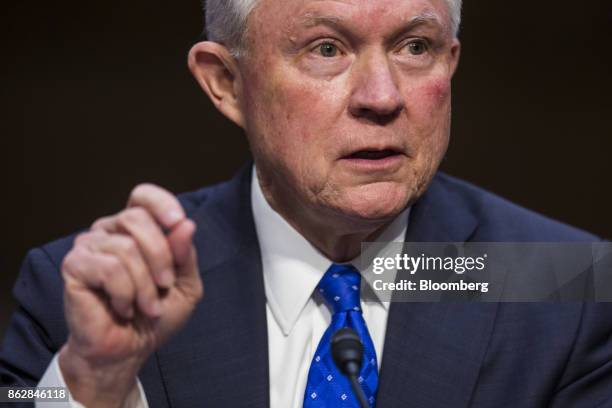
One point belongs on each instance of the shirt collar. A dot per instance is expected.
(292, 267)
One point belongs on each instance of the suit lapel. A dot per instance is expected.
(221, 357)
(433, 351)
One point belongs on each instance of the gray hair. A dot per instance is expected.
(226, 20)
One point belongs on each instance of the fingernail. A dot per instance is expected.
(172, 217)
(166, 278)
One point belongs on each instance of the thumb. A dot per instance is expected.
(180, 240)
(185, 259)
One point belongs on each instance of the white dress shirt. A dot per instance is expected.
(297, 315)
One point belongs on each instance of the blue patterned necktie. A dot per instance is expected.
(327, 387)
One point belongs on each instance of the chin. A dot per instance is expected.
(377, 202)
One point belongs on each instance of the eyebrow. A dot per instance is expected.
(426, 18)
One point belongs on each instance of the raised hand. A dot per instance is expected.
(131, 282)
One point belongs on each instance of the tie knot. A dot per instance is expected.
(340, 288)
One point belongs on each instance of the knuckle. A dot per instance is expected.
(129, 216)
(111, 269)
(99, 223)
(142, 190)
(82, 238)
(138, 213)
(72, 264)
(117, 283)
(127, 245)
(69, 263)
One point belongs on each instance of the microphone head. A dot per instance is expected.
(347, 351)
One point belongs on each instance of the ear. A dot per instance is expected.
(455, 53)
(216, 70)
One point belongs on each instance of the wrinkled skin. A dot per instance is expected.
(323, 79)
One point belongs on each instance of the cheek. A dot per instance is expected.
(298, 115)
(433, 97)
(305, 108)
(440, 91)
(285, 122)
(429, 108)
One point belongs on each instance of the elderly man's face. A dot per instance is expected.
(347, 102)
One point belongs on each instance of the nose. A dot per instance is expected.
(375, 97)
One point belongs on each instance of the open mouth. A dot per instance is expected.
(373, 154)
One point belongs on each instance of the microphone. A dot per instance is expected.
(347, 353)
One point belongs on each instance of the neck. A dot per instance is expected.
(337, 236)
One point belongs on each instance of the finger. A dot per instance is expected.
(139, 224)
(161, 204)
(181, 241)
(101, 272)
(85, 238)
(188, 274)
(108, 224)
(128, 252)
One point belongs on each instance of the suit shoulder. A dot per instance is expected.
(502, 220)
(192, 200)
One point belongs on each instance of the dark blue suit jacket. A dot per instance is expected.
(436, 355)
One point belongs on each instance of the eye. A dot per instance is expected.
(328, 50)
(417, 47)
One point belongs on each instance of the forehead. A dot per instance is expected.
(369, 16)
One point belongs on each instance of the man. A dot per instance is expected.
(346, 105)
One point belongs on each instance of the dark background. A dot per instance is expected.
(96, 98)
